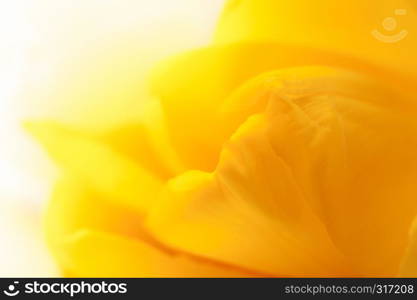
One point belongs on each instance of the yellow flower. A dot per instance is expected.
(287, 148)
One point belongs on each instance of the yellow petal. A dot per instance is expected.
(333, 129)
(96, 164)
(75, 206)
(146, 142)
(408, 267)
(90, 235)
(344, 138)
(346, 147)
(194, 86)
(345, 27)
(95, 254)
(249, 213)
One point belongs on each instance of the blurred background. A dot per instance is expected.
(48, 51)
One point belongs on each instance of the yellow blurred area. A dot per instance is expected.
(271, 140)
(46, 48)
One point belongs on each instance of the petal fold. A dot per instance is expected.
(99, 166)
(194, 86)
(96, 254)
(343, 139)
(249, 212)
